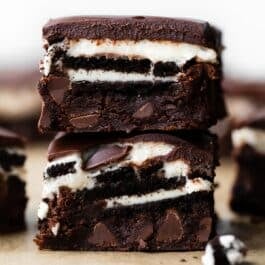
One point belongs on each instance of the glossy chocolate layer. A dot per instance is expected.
(133, 28)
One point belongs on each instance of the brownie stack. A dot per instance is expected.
(134, 166)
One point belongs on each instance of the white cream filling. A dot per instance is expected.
(113, 76)
(250, 136)
(45, 65)
(43, 210)
(155, 51)
(175, 168)
(192, 185)
(141, 151)
(55, 229)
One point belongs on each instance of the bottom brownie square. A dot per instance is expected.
(150, 192)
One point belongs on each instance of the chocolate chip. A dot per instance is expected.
(106, 154)
(102, 236)
(170, 228)
(57, 86)
(205, 228)
(145, 111)
(86, 121)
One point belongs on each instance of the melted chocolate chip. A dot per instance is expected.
(170, 228)
(106, 154)
(102, 236)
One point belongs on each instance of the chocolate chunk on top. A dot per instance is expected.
(132, 28)
(106, 154)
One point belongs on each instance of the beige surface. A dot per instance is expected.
(19, 248)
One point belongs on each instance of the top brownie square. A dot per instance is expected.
(130, 73)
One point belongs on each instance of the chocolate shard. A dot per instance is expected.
(106, 154)
(170, 228)
(144, 112)
(85, 121)
(102, 236)
(205, 228)
(57, 86)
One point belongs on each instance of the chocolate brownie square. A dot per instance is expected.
(142, 192)
(103, 74)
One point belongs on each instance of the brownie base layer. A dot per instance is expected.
(12, 205)
(248, 194)
(185, 223)
(194, 102)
